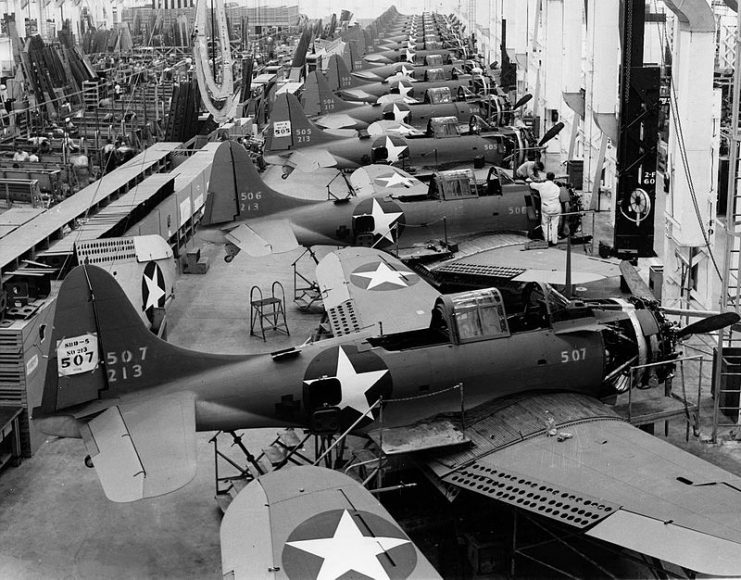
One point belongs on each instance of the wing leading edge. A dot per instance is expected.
(570, 458)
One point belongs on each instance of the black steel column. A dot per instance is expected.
(637, 141)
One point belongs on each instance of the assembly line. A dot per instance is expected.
(363, 317)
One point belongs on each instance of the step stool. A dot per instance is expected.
(271, 310)
(194, 264)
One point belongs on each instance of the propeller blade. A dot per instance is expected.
(709, 324)
(521, 101)
(635, 283)
(551, 133)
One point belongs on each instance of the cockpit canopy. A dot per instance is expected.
(438, 95)
(453, 184)
(474, 315)
(440, 127)
(434, 60)
(435, 74)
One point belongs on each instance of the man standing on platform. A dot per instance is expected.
(550, 207)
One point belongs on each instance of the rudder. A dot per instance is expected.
(101, 348)
(237, 192)
(291, 128)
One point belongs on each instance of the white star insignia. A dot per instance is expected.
(410, 55)
(382, 222)
(155, 291)
(394, 151)
(400, 115)
(395, 179)
(405, 71)
(404, 90)
(385, 275)
(349, 551)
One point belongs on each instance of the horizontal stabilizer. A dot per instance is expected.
(264, 237)
(358, 95)
(311, 160)
(336, 121)
(367, 75)
(146, 450)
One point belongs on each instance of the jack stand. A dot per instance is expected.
(305, 291)
(228, 486)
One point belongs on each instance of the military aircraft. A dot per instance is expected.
(336, 113)
(294, 141)
(456, 80)
(401, 211)
(506, 403)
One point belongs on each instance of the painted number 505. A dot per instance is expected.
(573, 355)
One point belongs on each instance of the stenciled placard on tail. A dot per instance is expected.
(77, 354)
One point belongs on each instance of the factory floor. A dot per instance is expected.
(55, 521)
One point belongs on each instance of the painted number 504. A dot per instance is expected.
(573, 355)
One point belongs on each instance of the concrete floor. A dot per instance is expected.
(55, 521)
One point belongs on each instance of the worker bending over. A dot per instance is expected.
(531, 170)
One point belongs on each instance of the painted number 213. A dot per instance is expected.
(573, 355)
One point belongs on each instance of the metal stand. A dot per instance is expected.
(305, 291)
(271, 310)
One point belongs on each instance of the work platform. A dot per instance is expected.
(25, 242)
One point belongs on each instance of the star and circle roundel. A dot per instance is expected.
(154, 289)
(362, 375)
(382, 218)
(382, 276)
(346, 543)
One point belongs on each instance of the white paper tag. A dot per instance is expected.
(281, 129)
(78, 354)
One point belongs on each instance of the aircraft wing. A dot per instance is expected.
(264, 237)
(377, 178)
(363, 287)
(570, 458)
(311, 522)
(144, 450)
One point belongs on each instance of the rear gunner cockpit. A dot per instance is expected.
(457, 318)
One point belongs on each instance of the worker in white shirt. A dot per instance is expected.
(550, 207)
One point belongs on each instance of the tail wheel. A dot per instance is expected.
(89, 462)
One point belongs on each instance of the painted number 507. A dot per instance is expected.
(573, 355)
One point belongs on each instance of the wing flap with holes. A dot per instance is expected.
(570, 458)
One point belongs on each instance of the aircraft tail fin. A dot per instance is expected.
(338, 75)
(291, 128)
(320, 98)
(101, 349)
(299, 56)
(237, 192)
